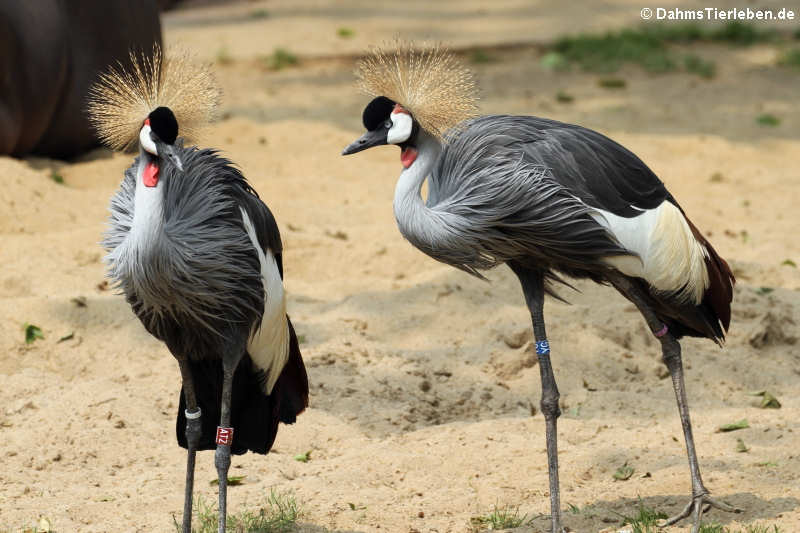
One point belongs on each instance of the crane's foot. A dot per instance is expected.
(700, 504)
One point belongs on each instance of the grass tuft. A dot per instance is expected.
(345, 33)
(645, 520)
(768, 119)
(280, 59)
(480, 56)
(790, 58)
(697, 65)
(224, 57)
(647, 47)
(278, 514)
(506, 517)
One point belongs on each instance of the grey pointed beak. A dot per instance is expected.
(372, 138)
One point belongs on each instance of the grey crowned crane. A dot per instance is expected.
(198, 257)
(547, 199)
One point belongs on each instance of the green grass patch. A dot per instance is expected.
(718, 528)
(648, 47)
(645, 520)
(277, 514)
(480, 56)
(790, 58)
(697, 65)
(564, 97)
(506, 517)
(32, 333)
(58, 178)
(223, 56)
(768, 119)
(259, 14)
(608, 52)
(612, 83)
(345, 33)
(280, 59)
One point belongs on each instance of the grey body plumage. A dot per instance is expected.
(503, 203)
(195, 262)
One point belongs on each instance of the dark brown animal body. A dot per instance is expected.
(51, 51)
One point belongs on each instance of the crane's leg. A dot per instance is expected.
(193, 432)
(671, 352)
(533, 288)
(222, 456)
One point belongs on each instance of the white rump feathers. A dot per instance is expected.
(670, 258)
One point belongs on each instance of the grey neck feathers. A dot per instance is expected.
(417, 222)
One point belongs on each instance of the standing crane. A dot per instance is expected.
(198, 257)
(547, 199)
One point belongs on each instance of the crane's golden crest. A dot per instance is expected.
(122, 98)
(430, 82)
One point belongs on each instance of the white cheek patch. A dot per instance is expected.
(401, 128)
(146, 141)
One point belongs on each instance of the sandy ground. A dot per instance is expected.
(423, 378)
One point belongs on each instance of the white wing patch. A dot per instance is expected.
(670, 258)
(269, 342)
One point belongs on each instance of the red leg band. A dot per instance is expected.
(224, 436)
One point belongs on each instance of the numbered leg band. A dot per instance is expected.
(224, 436)
(543, 347)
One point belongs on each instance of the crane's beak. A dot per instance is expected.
(376, 137)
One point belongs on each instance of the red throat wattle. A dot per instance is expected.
(150, 174)
(408, 156)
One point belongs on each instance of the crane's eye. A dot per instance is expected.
(388, 124)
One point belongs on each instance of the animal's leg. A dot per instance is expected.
(193, 432)
(222, 456)
(533, 288)
(671, 352)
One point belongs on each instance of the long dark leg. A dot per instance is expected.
(671, 351)
(533, 288)
(193, 432)
(222, 456)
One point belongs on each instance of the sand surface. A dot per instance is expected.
(424, 386)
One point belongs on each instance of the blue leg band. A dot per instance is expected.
(543, 347)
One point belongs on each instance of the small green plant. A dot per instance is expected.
(480, 56)
(712, 528)
(223, 56)
(280, 59)
(645, 520)
(278, 514)
(564, 97)
(259, 14)
(303, 457)
(32, 333)
(768, 400)
(741, 424)
(506, 517)
(768, 119)
(624, 472)
(697, 65)
(789, 262)
(790, 58)
(612, 83)
(232, 481)
(345, 33)
(58, 178)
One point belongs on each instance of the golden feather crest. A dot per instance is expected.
(122, 98)
(430, 82)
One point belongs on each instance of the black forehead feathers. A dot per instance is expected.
(376, 112)
(164, 124)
